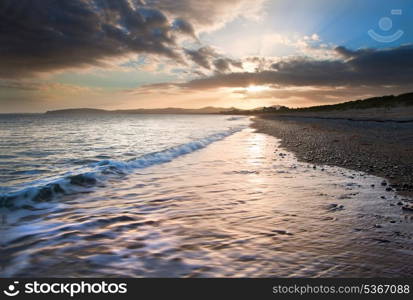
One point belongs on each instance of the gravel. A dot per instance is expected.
(384, 149)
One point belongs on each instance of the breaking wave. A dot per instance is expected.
(97, 173)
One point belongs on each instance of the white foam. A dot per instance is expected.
(98, 172)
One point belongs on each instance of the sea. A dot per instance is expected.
(121, 195)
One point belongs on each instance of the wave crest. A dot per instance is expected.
(100, 171)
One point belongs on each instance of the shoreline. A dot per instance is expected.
(383, 149)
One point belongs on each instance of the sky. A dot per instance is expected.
(125, 54)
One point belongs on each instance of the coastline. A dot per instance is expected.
(383, 149)
(227, 210)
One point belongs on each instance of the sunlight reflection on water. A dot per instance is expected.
(235, 208)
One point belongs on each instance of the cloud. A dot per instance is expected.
(42, 86)
(390, 66)
(306, 81)
(210, 59)
(318, 95)
(201, 56)
(27, 95)
(20, 85)
(222, 65)
(184, 27)
(209, 14)
(48, 35)
(370, 67)
(45, 36)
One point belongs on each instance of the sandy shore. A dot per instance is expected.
(383, 149)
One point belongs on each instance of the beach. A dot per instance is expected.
(379, 147)
(193, 196)
(206, 139)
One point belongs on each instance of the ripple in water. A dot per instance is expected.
(233, 209)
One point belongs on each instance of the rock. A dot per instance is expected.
(407, 207)
(334, 207)
(381, 240)
(282, 232)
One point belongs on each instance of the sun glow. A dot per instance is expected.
(256, 88)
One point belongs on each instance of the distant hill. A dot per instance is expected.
(386, 102)
(375, 102)
(77, 111)
(169, 110)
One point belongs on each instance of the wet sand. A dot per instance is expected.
(231, 209)
(384, 149)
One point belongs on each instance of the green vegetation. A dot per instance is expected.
(376, 102)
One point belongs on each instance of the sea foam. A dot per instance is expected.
(95, 174)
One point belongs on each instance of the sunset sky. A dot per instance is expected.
(195, 53)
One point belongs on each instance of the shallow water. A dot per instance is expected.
(36, 150)
(239, 206)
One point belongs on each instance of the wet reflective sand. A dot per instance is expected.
(239, 207)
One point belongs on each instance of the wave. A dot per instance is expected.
(98, 172)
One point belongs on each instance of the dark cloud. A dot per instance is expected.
(223, 65)
(391, 66)
(208, 58)
(369, 67)
(48, 35)
(184, 27)
(202, 56)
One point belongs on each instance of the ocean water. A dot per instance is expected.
(185, 196)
